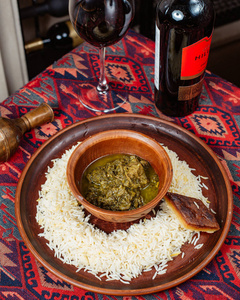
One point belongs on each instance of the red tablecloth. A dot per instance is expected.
(216, 122)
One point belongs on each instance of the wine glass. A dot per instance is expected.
(101, 23)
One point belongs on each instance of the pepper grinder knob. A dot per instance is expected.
(12, 130)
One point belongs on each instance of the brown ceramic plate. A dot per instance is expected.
(190, 148)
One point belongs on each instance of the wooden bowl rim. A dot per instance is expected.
(94, 139)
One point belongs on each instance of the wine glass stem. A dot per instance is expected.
(102, 85)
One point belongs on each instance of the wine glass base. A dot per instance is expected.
(106, 101)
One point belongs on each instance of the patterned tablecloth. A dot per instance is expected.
(216, 122)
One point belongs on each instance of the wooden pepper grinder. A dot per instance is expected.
(12, 130)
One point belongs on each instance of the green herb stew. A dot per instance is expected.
(119, 182)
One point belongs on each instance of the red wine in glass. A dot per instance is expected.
(101, 23)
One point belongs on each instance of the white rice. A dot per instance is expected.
(121, 255)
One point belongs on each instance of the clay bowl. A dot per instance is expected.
(119, 142)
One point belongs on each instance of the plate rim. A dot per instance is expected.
(125, 292)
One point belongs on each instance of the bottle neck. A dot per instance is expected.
(36, 44)
(60, 35)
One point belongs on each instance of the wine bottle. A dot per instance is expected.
(183, 36)
(54, 8)
(59, 36)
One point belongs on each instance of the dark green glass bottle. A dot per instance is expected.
(183, 36)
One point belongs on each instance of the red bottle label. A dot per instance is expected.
(195, 58)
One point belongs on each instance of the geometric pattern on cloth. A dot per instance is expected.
(131, 61)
